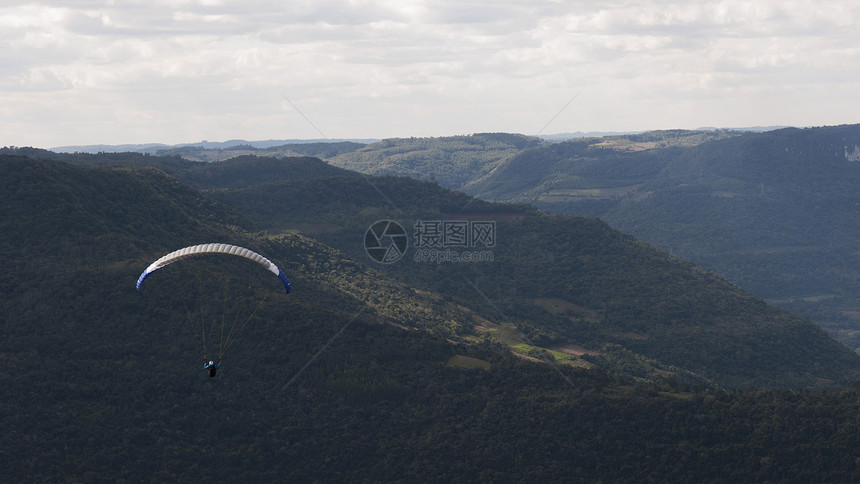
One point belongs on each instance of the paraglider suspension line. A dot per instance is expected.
(237, 314)
(233, 335)
(224, 317)
(200, 349)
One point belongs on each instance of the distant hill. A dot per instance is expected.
(774, 212)
(381, 372)
(250, 170)
(325, 149)
(602, 134)
(462, 162)
(617, 162)
(161, 148)
(242, 171)
(453, 161)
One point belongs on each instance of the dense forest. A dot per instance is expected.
(399, 372)
(610, 288)
(553, 282)
(774, 212)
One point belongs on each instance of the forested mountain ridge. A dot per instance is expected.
(459, 162)
(612, 162)
(559, 283)
(243, 171)
(69, 219)
(101, 384)
(774, 212)
(322, 149)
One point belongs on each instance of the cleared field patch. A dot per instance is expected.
(560, 195)
(508, 335)
(576, 350)
(810, 299)
(624, 144)
(305, 228)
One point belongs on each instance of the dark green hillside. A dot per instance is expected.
(330, 383)
(64, 219)
(639, 310)
(52, 208)
(328, 204)
(239, 172)
(774, 212)
(247, 171)
(103, 160)
(100, 379)
(631, 326)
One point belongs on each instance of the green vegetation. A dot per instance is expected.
(101, 382)
(773, 212)
(626, 293)
(468, 362)
(591, 168)
(453, 161)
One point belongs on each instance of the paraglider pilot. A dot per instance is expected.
(212, 367)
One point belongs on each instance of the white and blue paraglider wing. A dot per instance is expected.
(228, 249)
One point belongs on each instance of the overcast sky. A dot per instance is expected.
(79, 72)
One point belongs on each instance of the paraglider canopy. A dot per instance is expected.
(232, 307)
(214, 249)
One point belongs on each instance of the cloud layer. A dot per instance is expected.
(90, 71)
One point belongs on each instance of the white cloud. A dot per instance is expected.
(172, 70)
